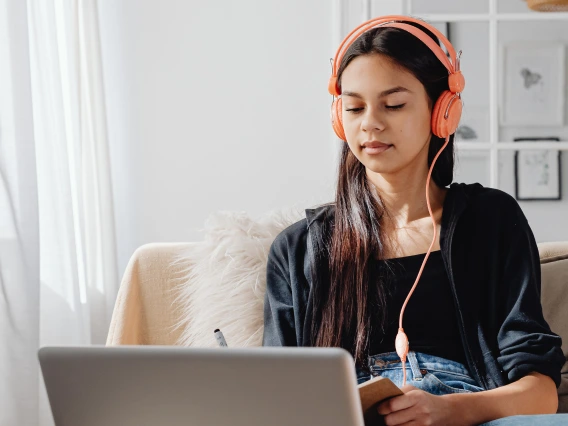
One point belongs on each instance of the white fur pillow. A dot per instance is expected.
(225, 285)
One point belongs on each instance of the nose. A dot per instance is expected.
(372, 120)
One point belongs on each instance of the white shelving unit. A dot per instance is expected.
(494, 146)
(495, 16)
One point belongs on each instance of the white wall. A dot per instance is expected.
(237, 118)
(214, 106)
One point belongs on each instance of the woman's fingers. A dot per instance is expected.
(398, 402)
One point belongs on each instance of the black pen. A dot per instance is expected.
(220, 339)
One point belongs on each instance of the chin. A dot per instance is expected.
(375, 167)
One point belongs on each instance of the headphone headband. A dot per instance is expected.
(396, 21)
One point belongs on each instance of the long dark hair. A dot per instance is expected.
(352, 301)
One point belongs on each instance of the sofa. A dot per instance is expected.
(178, 293)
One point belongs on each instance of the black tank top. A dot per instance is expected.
(430, 316)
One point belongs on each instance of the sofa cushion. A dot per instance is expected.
(225, 286)
(554, 297)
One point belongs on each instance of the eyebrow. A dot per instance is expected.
(382, 94)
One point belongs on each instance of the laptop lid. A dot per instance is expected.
(171, 386)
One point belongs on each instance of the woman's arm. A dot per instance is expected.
(529, 353)
(525, 342)
(533, 394)
(279, 321)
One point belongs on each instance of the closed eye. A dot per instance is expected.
(389, 107)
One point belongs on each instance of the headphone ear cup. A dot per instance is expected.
(436, 116)
(441, 126)
(336, 119)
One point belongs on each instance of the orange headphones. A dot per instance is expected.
(448, 108)
(445, 118)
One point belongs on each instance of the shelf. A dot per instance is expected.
(484, 17)
(486, 146)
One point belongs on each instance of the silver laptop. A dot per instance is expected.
(174, 386)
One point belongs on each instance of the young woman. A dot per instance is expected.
(480, 348)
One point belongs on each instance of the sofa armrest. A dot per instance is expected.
(145, 311)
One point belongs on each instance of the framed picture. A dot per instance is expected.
(537, 173)
(532, 83)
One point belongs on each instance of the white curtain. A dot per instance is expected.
(19, 234)
(58, 272)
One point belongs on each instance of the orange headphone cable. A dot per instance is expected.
(401, 342)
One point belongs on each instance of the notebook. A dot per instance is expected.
(372, 393)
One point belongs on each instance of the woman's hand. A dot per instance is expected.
(417, 407)
(533, 394)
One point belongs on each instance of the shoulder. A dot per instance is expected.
(293, 238)
(292, 232)
(484, 202)
(481, 195)
(290, 239)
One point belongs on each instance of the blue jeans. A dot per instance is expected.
(435, 375)
(440, 376)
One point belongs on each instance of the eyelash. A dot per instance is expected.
(392, 108)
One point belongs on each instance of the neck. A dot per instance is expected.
(404, 195)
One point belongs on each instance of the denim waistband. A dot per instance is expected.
(417, 361)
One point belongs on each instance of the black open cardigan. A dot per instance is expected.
(492, 261)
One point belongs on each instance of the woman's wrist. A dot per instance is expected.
(534, 393)
(472, 408)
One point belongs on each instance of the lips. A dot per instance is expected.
(375, 144)
(375, 147)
